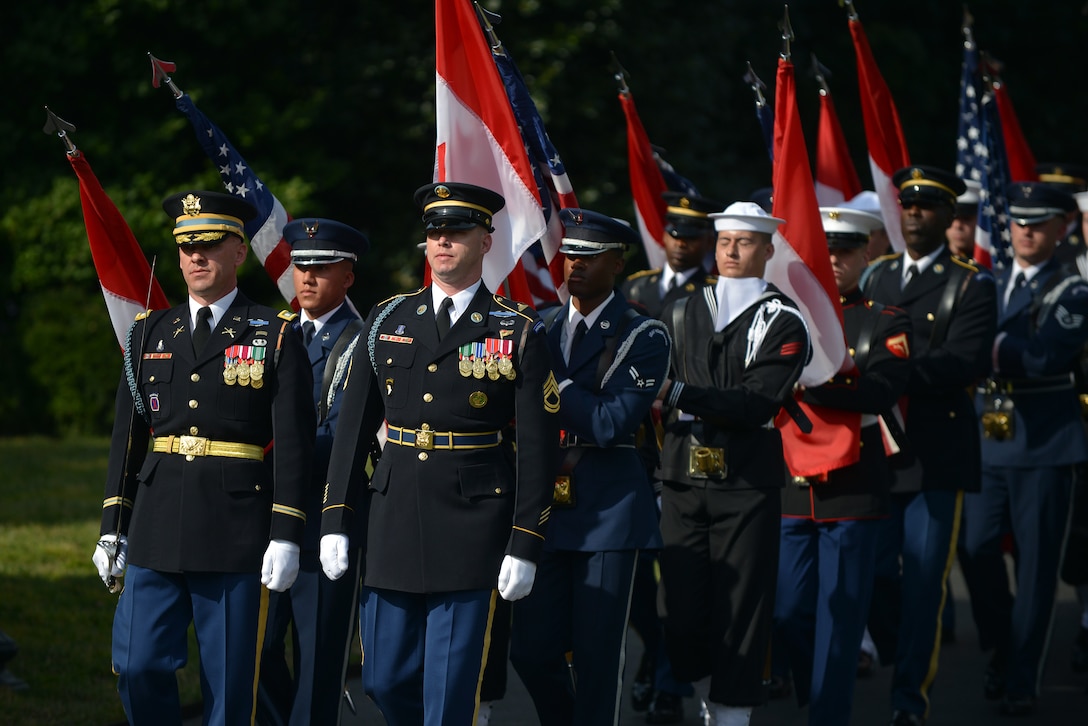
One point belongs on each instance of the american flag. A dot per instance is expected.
(764, 112)
(980, 156)
(542, 262)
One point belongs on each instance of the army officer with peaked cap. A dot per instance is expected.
(457, 513)
(207, 516)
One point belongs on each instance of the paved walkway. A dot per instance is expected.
(956, 697)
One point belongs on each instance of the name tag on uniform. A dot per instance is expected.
(395, 338)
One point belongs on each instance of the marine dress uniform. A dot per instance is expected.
(722, 472)
(449, 498)
(1033, 439)
(321, 613)
(830, 521)
(951, 304)
(604, 511)
(231, 429)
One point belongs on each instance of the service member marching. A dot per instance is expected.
(204, 519)
(612, 361)
(952, 308)
(456, 512)
(738, 349)
(830, 521)
(1033, 438)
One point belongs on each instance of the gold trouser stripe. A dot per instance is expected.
(172, 445)
(262, 624)
(483, 657)
(931, 674)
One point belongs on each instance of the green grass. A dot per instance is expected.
(51, 600)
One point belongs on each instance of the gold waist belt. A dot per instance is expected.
(194, 446)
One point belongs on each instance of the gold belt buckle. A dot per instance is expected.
(706, 461)
(192, 445)
(425, 439)
(563, 494)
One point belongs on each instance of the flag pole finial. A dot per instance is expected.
(160, 73)
(968, 32)
(488, 21)
(620, 75)
(821, 72)
(54, 124)
(756, 85)
(851, 11)
(787, 33)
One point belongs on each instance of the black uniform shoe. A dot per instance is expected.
(642, 694)
(1079, 661)
(993, 686)
(1017, 705)
(666, 708)
(906, 718)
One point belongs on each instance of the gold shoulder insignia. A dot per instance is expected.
(882, 258)
(551, 394)
(520, 308)
(711, 279)
(287, 315)
(144, 314)
(643, 273)
(964, 262)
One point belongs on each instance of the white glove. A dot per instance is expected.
(334, 555)
(280, 567)
(516, 578)
(101, 558)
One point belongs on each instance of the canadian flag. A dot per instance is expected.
(123, 271)
(801, 268)
(478, 141)
(883, 133)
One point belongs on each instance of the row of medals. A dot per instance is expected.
(477, 363)
(246, 368)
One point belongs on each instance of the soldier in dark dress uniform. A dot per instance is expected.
(688, 238)
(217, 508)
(1034, 437)
(457, 514)
(612, 361)
(321, 613)
(738, 350)
(1072, 250)
(689, 243)
(830, 520)
(951, 304)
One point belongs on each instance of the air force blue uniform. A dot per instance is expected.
(1027, 474)
(582, 594)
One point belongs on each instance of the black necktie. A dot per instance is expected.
(912, 272)
(1019, 283)
(579, 333)
(308, 332)
(203, 329)
(442, 319)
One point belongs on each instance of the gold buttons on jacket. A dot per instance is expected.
(193, 403)
(427, 398)
(423, 456)
(432, 367)
(257, 487)
(195, 378)
(194, 430)
(930, 317)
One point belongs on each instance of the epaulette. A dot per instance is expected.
(643, 273)
(391, 298)
(144, 314)
(964, 262)
(711, 279)
(287, 315)
(517, 307)
(883, 258)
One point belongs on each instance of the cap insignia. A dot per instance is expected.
(311, 229)
(833, 215)
(917, 173)
(191, 205)
(685, 202)
(442, 191)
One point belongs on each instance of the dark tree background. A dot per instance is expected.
(333, 106)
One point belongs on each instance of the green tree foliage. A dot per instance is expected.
(333, 106)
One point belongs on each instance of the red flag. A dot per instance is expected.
(883, 133)
(123, 271)
(647, 184)
(836, 178)
(801, 268)
(1018, 153)
(478, 141)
